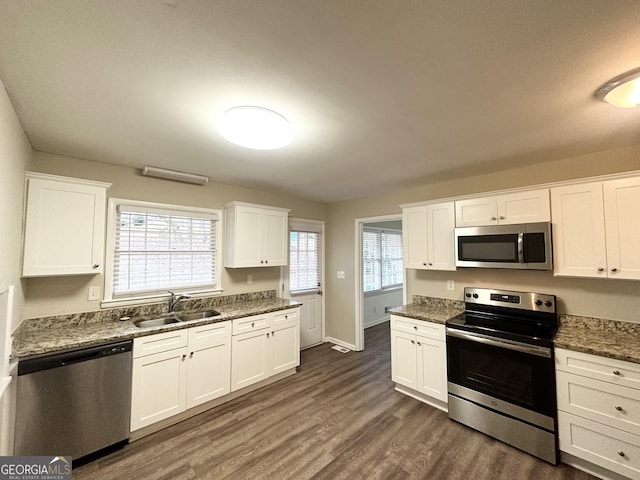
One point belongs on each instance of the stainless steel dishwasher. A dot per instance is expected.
(74, 402)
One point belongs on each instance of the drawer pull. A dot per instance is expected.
(616, 372)
(253, 324)
(621, 453)
(618, 408)
(415, 328)
(419, 344)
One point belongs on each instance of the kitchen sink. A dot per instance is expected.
(156, 322)
(185, 317)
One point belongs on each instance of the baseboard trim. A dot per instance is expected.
(350, 346)
(377, 321)
(434, 402)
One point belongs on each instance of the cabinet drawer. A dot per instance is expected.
(606, 369)
(248, 324)
(602, 402)
(431, 330)
(209, 333)
(284, 316)
(160, 342)
(608, 447)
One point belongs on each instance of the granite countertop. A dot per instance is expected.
(430, 309)
(607, 338)
(51, 334)
(597, 336)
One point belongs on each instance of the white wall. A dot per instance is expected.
(618, 299)
(374, 305)
(15, 155)
(68, 294)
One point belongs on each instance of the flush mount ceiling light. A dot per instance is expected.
(255, 127)
(622, 91)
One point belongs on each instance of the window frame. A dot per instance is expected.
(383, 289)
(136, 299)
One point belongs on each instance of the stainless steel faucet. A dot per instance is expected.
(175, 298)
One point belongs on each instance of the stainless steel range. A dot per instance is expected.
(500, 368)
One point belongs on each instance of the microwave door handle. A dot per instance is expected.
(521, 247)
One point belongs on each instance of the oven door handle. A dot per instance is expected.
(501, 343)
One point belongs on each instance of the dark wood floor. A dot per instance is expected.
(338, 417)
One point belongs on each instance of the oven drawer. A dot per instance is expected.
(602, 402)
(606, 369)
(600, 444)
(423, 328)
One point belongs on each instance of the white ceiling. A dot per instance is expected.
(380, 93)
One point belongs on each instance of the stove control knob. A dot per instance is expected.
(475, 295)
(468, 295)
(538, 302)
(548, 303)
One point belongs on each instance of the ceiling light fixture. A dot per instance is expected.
(621, 91)
(255, 127)
(174, 175)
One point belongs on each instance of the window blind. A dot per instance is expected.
(304, 261)
(381, 259)
(157, 250)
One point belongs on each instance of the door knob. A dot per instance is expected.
(319, 292)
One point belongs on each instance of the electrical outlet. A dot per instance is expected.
(451, 285)
(249, 279)
(94, 293)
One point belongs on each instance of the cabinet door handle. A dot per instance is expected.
(95, 265)
(618, 408)
(493, 218)
(601, 269)
(184, 356)
(266, 261)
(267, 334)
(413, 341)
(430, 264)
(418, 343)
(616, 372)
(621, 453)
(614, 269)
(424, 264)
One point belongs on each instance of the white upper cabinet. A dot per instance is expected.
(622, 227)
(64, 226)
(256, 235)
(428, 236)
(596, 229)
(529, 206)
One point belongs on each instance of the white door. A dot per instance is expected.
(303, 278)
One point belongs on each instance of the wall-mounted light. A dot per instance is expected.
(621, 91)
(255, 127)
(174, 175)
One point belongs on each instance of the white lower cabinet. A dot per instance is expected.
(419, 356)
(176, 370)
(181, 369)
(599, 410)
(271, 347)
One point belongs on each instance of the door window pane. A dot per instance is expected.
(304, 261)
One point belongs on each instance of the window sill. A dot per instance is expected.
(131, 301)
(373, 293)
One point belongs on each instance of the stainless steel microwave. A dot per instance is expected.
(525, 246)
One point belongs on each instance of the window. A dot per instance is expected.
(153, 248)
(381, 259)
(304, 261)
